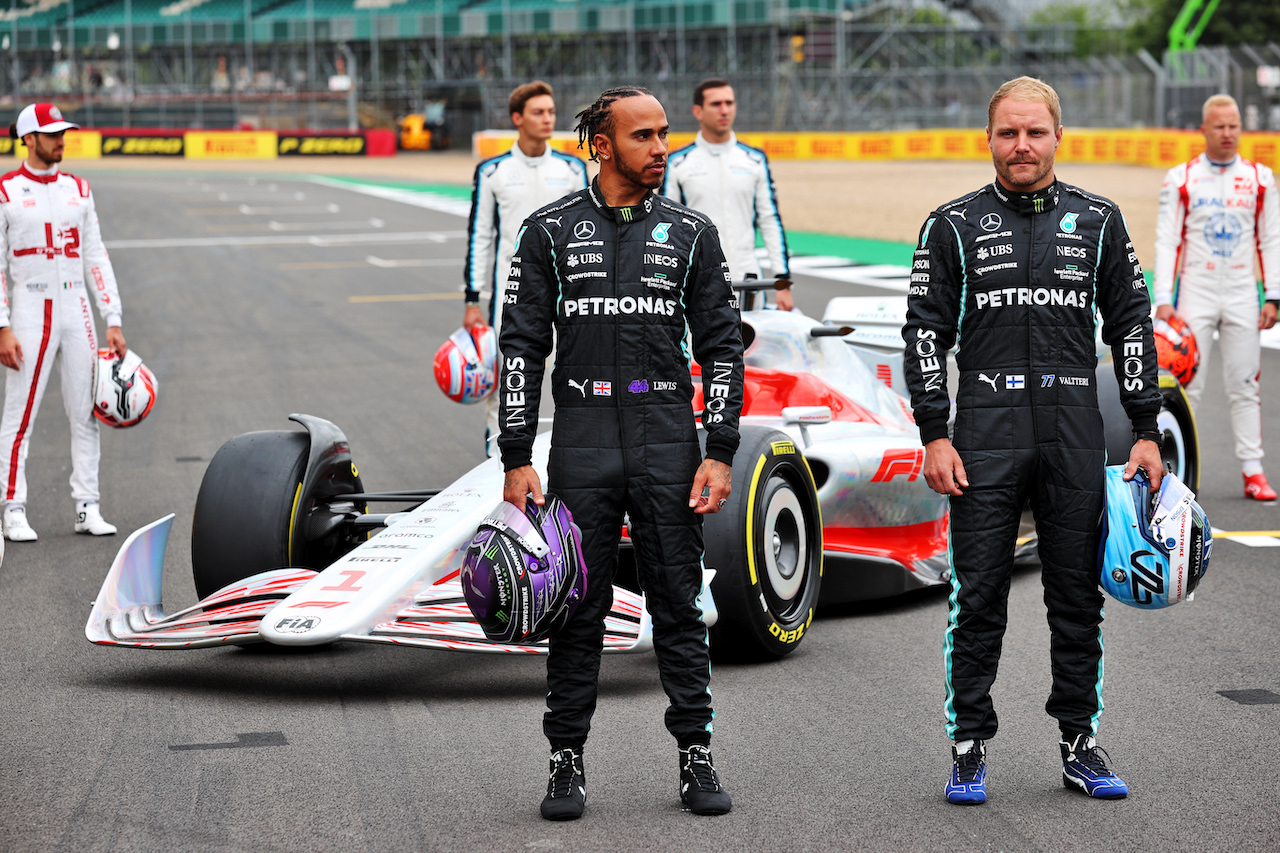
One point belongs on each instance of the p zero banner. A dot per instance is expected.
(117, 145)
(299, 145)
(231, 145)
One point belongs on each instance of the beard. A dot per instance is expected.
(1041, 171)
(639, 178)
(50, 154)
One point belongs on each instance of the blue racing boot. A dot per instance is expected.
(1084, 768)
(968, 783)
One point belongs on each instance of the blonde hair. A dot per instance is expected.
(1219, 100)
(1027, 89)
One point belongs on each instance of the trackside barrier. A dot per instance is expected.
(1138, 147)
(216, 144)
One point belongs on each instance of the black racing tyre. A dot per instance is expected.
(766, 548)
(1181, 446)
(251, 515)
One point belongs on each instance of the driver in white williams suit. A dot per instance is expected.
(1219, 216)
(505, 190)
(730, 183)
(52, 247)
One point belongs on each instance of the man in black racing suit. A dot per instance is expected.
(623, 274)
(1015, 273)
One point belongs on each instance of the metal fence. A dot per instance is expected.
(797, 65)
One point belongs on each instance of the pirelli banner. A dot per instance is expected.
(1130, 146)
(216, 144)
(316, 144)
(120, 145)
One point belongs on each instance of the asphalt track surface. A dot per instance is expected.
(372, 748)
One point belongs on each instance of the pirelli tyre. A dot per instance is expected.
(766, 548)
(271, 500)
(1181, 446)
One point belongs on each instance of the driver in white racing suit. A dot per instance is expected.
(505, 190)
(730, 183)
(50, 241)
(1218, 215)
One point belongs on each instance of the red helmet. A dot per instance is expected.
(124, 389)
(1176, 348)
(467, 364)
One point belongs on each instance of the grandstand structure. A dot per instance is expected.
(798, 65)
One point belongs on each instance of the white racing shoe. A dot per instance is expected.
(89, 520)
(16, 528)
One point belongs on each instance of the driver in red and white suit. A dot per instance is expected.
(56, 261)
(1218, 216)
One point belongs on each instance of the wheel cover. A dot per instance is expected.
(783, 545)
(1174, 449)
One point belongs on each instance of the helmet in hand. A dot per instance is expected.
(467, 364)
(523, 574)
(1176, 348)
(124, 389)
(1155, 546)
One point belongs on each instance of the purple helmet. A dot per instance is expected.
(523, 574)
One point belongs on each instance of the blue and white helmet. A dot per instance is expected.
(1155, 548)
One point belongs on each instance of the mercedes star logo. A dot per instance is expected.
(584, 230)
(991, 222)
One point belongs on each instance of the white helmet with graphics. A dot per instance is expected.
(124, 389)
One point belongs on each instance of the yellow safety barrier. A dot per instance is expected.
(80, 145)
(231, 145)
(1136, 146)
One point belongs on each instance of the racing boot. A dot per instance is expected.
(566, 786)
(700, 787)
(1257, 488)
(1084, 768)
(968, 783)
(89, 520)
(16, 528)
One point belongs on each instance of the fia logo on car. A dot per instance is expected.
(298, 624)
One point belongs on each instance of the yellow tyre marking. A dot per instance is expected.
(297, 496)
(751, 519)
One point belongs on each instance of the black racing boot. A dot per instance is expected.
(700, 787)
(566, 786)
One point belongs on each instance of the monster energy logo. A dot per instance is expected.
(626, 214)
(1038, 205)
(502, 616)
(492, 552)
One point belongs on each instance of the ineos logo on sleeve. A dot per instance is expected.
(991, 222)
(584, 230)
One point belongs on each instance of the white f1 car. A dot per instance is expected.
(828, 505)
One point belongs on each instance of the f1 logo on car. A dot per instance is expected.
(895, 462)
